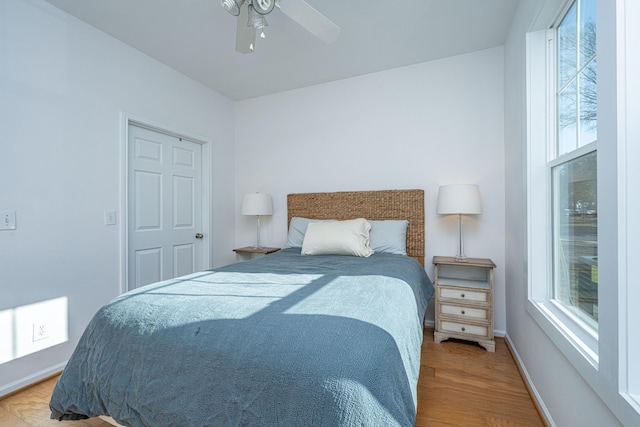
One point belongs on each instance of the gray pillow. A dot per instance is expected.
(389, 236)
(297, 230)
(386, 236)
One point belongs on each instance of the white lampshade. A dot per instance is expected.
(459, 199)
(257, 204)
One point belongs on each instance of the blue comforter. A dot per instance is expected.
(283, 340)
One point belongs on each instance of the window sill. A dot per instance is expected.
(634, 401)
(577, 345)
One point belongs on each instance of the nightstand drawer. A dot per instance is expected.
(463, 294)
(473, 313)
(463, 328)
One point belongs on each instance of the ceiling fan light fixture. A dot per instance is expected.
(256, 20)
(232, 6)
(263, 7)
(251, 18)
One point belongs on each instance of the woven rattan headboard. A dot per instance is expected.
(375, 205)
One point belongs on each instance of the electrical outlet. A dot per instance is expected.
(34, 327)
(40, 331)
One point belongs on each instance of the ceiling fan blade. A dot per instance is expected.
(245, 35)
(309, 18)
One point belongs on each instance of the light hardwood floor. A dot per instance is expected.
(461, 384)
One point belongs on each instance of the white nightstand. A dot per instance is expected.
(249, 252)
(464, 300)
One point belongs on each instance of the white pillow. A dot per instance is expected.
(297, 229)
(389, 236)
(349, 237)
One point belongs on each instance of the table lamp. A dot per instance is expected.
(459, 199)
(259, 205)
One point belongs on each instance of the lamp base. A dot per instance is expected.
(461, 257)
(257, 246)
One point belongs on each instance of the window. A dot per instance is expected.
(576, 77)
(574, 204)
(575, 237)
(582, 180)
(563, 198)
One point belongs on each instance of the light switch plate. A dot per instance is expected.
(7, 220)
(110, 217)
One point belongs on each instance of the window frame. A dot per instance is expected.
(589, 336)
(578, 342)
(616, 377)
(629, 134)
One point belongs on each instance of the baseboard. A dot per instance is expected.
(535, 396)
(31, 379)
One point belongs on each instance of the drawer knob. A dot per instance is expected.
(461, 295)
(463, 329)
(462, 312)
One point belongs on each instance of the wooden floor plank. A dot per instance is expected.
(9, 419)
(460, 385)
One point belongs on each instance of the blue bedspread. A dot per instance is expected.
(283, 340)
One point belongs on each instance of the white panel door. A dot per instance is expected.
(164, 207)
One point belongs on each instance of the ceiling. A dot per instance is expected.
(197, 38)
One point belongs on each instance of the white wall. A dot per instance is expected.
(567, 398)
(420, 126)
(63, 87)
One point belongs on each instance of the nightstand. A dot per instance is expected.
(249, 252)
(464, 300)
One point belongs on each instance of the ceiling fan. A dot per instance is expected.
(251, 18)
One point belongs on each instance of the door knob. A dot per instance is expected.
(199, 236)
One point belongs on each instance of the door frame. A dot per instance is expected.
(207, 198)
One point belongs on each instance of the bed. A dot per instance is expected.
(284, 340)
